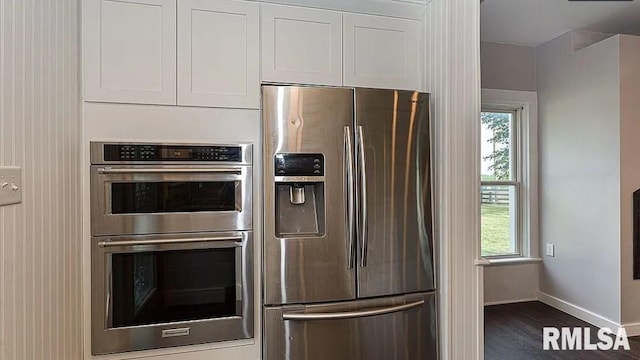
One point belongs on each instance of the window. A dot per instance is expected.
(508, 176)
(500, 177)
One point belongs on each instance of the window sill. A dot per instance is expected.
(507, 261)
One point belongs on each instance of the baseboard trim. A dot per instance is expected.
(632, 329)
(503, 302)
(579, 312)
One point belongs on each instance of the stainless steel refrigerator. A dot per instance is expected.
(348, 246)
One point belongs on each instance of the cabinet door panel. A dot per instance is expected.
(130, 51)
(218, 53)
(301, 45)
(382, 52)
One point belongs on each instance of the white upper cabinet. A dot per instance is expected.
(301, 45)
(218, 53)
(382, 52)
(130, 51)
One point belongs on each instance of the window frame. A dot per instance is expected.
(526, 103)
(515, 177)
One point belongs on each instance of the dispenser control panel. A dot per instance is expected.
(299, 165)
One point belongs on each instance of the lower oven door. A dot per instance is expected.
(160, 291)
(394, 328)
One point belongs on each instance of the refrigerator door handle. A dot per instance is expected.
(351, 314)
(349, 225)
(363, 196)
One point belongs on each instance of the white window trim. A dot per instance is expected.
(528, 101)
(514, 181)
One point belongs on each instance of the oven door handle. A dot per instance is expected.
(108, 170)
(111, 243)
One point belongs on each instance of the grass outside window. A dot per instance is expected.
(495, 229)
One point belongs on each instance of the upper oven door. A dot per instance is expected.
(142, 199)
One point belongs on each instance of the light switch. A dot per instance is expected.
(551, 250)
(10, 185)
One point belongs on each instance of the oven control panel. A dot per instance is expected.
(299, 165)
(150, 152)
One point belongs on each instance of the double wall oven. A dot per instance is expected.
(172, 245)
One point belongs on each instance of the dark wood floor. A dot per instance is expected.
(514, 332)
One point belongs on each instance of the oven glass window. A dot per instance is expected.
(172, 286)
(164, 197)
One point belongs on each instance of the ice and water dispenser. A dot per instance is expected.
(299, 197)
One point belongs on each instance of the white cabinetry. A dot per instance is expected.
(131, 57)
(382, 52)
(312, 46)
(207, 52)
(130, 51)
(218, 53)
(301, 45)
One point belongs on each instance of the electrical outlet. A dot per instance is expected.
(551, 250)
(10, 185)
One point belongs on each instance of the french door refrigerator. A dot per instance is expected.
(348, 251)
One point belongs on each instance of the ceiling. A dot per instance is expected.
(533, 22)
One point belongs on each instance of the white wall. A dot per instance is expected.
(510, 283)
(512, 68)
(579, 97)
(629, 171)
(40, 240)
(453, 78)
(507, 67)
